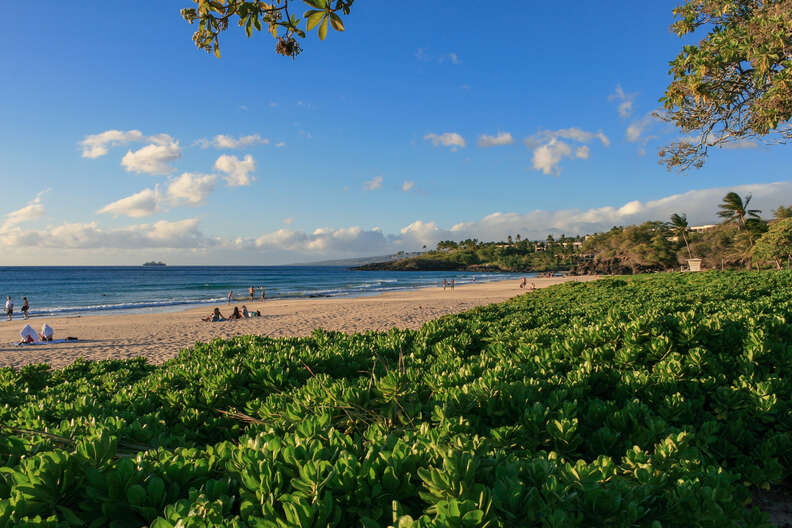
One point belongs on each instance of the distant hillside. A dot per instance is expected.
(472, 255)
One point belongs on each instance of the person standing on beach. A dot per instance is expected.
(25, 306)
(263, 293)
(9, 307)
(251, 293)
(445, 283)
(452, 284)
(230, 296)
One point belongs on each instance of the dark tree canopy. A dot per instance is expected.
(735, 84)
(214, 16)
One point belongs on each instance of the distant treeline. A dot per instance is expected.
(742, 240)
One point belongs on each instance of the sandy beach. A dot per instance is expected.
(159, 337)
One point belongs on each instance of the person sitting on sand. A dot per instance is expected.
(214, 317)
(523, 282)
(28, 335)
(245, 313)
(47, 332)
(235, 314)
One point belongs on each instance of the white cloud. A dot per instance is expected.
(625, 101)
(372, 184)
(138, 205)
(153, 158)
(238, 172)
(280, 144)
(222, 141)
(746, 144)
(582, 136)
(289, 220)
(182, 234)
(636, 129)
(549, 150)
(447, 139)
(33, 210)
(503, 138)
(547, 157)
(407, 185)
(423, 55)
(191, 188)
(286, 245)
(349, 240)
(96, 145)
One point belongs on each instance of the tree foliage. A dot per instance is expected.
(640, 248)
(783, 212)
(679, 228)
(735, 84)
(776, 243)
(213, 17)
(735, 209)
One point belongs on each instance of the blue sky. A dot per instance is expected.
(367, 143)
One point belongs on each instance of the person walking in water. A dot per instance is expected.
(9, 307)
(25, 306)
(230, 296)
(251, 293)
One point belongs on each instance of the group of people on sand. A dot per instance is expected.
(9, 307)
(448, 284)
(216, 316)
(251, 294)
(28, 335)
(524, 284)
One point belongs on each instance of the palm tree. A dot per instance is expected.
(735, 209)
(679, 227)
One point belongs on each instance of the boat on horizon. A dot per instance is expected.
(154, 263)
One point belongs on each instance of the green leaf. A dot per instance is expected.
(314, 17)
(323, 29)
(336, 22)
(318, 4)
(136, 494)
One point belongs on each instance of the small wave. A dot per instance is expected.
(57, 310)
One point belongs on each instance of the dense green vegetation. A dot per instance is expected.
(509, 255)
(660, 401)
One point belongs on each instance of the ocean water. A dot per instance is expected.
(72, 291)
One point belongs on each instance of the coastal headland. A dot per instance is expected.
(160, 336)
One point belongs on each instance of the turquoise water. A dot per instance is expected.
(63, 291)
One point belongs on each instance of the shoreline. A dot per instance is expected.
(161, 336)
(175, 305)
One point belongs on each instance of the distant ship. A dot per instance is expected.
(152, 263)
